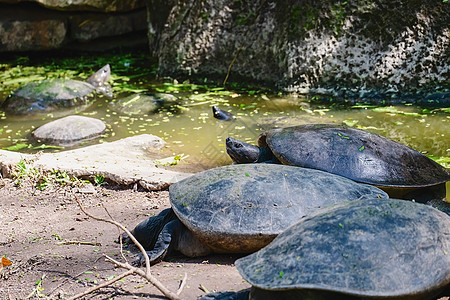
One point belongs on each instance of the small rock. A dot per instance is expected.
(87, 189)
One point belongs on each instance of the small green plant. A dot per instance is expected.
(99, 179)
(43, 183)
(23, 171)
(38, 288)
(171, 161)
(61, 177)
(55, 177)
(56, 236)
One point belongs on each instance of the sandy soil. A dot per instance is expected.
(57, 251)
(40, 231)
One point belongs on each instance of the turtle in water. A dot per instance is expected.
(363, 249)
(241, 208)
(220, 114)
(353, 153)
(52, 94)
(145, 103)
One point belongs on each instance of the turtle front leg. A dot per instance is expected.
(147, 232)
(175, 237)
(163, 245)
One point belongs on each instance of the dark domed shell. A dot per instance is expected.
(353, 153)
(241, 208)
(369, 248)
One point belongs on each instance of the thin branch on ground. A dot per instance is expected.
(145, 275)
(102, 285)
(131, 270)
(67, 279)
(182, 284)
(79, 243)
(119, 233)
(37, 290)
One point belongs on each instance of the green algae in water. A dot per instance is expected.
(193, 130)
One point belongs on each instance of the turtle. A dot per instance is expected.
(220, 114)
(70, 130)
(349, 152)
(369, 248)
(144, 103)
(52, 94)
(240, 208)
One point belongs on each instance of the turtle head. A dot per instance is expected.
(241, 152)
(221, 114)
(100, 77)
(100, 81)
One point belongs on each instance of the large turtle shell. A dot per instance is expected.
(48, 95)
(141, 104)
(353, 153)
(370, 248)
(241, 208)
(70, 130)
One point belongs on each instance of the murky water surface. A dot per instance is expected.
(194, 132)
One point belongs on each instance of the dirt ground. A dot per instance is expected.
(41, 230)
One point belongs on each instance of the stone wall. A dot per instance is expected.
(372, 49)
(86, 5)
(52, 24)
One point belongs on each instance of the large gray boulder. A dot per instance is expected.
(375, 49)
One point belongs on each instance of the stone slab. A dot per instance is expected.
(125, 162)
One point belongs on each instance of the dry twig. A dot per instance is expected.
(131, 270)
(79, 243)
(37, 290)
(104, 284)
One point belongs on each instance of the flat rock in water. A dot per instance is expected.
(70, 130)
(127, 162)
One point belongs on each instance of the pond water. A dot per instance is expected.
(193, 132)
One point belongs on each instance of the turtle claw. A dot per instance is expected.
(153, 258)
(140, 261)
(126, 239)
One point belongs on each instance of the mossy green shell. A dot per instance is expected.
(48, 95)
